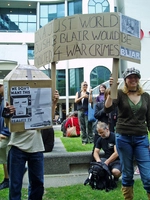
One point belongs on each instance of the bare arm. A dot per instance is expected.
(96, 155)
(90, 96)
(78, 99)
(113, 157)
(108, 101)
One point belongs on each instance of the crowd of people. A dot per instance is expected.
(121, 131)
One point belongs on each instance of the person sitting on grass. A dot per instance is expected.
(73, 121)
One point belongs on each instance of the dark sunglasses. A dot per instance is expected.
(85, 85)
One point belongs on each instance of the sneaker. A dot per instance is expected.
(137, 172)
(4, 184)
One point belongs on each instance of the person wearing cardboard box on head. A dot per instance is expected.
(27, 146)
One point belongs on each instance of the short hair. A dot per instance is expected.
(84, 82)
(102, 125)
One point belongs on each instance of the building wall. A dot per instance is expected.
(17, 53)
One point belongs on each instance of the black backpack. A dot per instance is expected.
(100, 177)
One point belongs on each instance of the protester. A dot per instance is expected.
(106, 142)
(133, 124)
(101, 96)
(73, 121)
(27, 146)
(82, 99)
(4, 139)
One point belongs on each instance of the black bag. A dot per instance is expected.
(100, 177)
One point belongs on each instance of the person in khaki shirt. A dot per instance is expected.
(27, 146)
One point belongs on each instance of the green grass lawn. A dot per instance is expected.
(73, 144)
(80, 192)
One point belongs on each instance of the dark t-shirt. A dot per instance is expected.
(106, 144)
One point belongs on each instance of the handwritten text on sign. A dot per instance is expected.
(80, 36)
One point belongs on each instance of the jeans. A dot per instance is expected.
(132, 148)
(16, 166)
(86, 127)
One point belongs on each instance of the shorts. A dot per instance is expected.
(113, 165)
(4, 150)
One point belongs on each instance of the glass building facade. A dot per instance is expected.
(17, 19)
(51, 11)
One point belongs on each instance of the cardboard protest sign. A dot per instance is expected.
(29, 90)
(103, 35)
(130, 39)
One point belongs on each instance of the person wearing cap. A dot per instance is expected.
(4, 139)
(133, 124)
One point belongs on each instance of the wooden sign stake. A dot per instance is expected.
(53, 77)
(115, 70)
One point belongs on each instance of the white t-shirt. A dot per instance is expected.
(29, 141)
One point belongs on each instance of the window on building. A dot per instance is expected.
(4, 73)
(18, 19)
(75, 80)
(47, 72)
(30, 52)
(61, 82)
(98, 6)
(48, 12)
(99, 75)
(74, 7)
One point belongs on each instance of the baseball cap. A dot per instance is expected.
(130, 71)
(1, 81)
